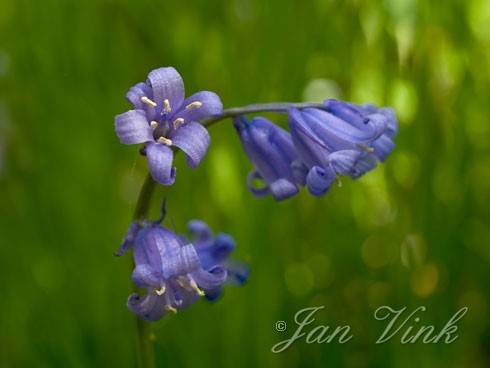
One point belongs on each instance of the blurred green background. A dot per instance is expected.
(413, 232)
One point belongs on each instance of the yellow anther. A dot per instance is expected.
(196, 288)
(169, 308)
(194, 105)
(160, 291)
(166, 105)
(153, 124)
(177, 122)
(190, 285)
(147, 101)
(165, 141)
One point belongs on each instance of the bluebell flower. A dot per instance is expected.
(343, 139)
(271, 151)
(362, 116)
(163, 118)
(214, 251)
(174, 271)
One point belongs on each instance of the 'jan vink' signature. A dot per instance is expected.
(400, 324)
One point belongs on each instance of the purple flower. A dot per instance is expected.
(364, 115)
(272, 153)
(343, 139)
(163, 119)
(174, 271)
(214, 251)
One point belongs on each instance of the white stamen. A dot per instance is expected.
(194, 105)
(153, 124)
(181, 281)
(189, 284)
(147, 101)
(339, 182)
(169, 308)
(166, 105)
(365, 148)
(177, 122)
(165, 141)
(196, 288)
(160, 291)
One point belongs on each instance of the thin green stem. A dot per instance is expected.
(281, 107)
(144, 199)
(146, 354)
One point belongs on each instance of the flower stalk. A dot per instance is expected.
(146, 353)
(279, 107)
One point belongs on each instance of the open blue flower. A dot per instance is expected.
(174, 271)
(343, 139)
(272, 153)
(163, 118)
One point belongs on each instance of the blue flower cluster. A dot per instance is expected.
(176, 271)
(339, 138)
(325, 141)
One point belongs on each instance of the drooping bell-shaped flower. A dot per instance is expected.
(174, 271)
(163, 118)
(363, 116)
(271, 151)
(324, 153)
(342, 139)
(214, 252)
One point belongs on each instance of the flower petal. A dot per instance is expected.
(367, 108)
(136, 92)
(149, 307)
(366, 163)
(181, 262)
(347, 112)
(128, 239)
(309, 147)
(214, 294)
(392, 123)
(343, 161)
(300, 170)
(132, 127)
(256, 191)
(319, 180)
(379, 122)
(193, 139)
(338, 133)
(216, 252)
(237, 272)
(283, 189)
(160, 159)
(224, 244)
(144, 276)
(199, 230)
(154, 243)
(166, 83)
(208, 280)
(383, 147)
(268, 147)
(210, 105)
